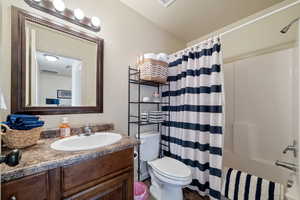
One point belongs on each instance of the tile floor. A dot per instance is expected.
(187, 193)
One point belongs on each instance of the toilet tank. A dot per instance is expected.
(149, 147)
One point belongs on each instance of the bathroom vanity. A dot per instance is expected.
(45, 173)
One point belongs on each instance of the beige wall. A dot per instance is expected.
(50, 83)
(125, 33)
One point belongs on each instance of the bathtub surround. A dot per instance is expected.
(255, 117)
(196, 121)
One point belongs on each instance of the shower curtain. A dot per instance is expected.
(196, 119)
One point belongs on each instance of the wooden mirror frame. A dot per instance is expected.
(18, 66)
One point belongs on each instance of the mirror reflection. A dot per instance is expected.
(61, 69)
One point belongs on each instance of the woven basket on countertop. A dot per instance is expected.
(16, 139)
(154, 70)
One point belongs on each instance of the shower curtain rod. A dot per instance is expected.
(245, 24)
(261, 17)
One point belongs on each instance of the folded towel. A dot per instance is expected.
(241, 185)
(25, 126)
(14, 117)
(23, 122)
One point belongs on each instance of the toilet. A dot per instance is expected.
(168, 176)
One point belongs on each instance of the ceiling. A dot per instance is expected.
(191, 19)
(63, 66)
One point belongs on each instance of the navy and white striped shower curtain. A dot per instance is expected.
(196, 121)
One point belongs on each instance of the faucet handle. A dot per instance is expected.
(87, 129)
(292, 148)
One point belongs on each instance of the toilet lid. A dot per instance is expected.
(171, 167)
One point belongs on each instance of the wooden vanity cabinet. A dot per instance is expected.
(109, 177)
(30, 187)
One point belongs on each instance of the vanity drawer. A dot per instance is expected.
(116, 188)
(83, 173)
(26, 188)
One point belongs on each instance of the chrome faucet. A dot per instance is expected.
(292, 148)
(290, 166)
(87, 131)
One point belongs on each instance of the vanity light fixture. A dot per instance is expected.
(51, 58)
(59, 5)
(58, 9)
(95, 21)
(78, 13)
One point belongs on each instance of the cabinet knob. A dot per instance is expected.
(13, 198)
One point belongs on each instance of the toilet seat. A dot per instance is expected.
(171, 170)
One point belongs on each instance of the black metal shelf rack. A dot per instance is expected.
(134, 78)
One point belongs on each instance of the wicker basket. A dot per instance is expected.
(154, 70)
(16, 139)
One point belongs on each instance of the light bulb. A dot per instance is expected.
(95, 21)
(78, 14)
(59, 5)
(37, 0)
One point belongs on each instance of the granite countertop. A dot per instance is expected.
(42, 157)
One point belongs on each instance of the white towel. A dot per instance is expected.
(238, 185)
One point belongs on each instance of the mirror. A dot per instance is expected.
(61, 68)
(56, 75)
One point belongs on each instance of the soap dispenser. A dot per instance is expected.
(64, 128)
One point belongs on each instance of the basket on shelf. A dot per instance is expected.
(20, 138)
(154, 70)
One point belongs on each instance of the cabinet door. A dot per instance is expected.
(117, 188)
(28, 188)
(79, 175)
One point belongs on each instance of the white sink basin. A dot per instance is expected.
(79, 143)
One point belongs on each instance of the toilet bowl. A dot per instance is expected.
(168, 176)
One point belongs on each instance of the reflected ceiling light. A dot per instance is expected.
(51, 58)
(78, 14)
(37, 0)
(59, 5)
(95, 21)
